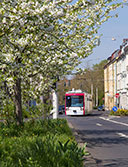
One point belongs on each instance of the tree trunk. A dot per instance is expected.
(17, 101)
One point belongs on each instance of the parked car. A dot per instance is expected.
(61, 109)
(101, 108)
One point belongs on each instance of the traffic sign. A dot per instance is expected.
(117, 95)
(114, 108)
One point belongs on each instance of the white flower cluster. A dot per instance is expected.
(45, 39)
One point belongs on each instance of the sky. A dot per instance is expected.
(114, 28)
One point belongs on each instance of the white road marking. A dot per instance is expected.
(122, 135)
(113, 116)
(98, 124)
(107, 119)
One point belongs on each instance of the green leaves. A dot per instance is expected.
(38, 143)
(64, 146)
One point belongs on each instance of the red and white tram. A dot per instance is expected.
(78, 103)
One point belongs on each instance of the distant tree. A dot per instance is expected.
(98, 82)
(92, 76)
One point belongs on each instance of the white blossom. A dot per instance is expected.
(39, 40)
(4, 20)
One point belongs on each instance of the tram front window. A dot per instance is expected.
(74, 101)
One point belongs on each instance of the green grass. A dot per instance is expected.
(39, 143)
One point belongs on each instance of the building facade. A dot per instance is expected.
(116, 78)
(110, 78)
(122, 78)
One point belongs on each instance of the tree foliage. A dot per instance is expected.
(92, 78)
(42, 39)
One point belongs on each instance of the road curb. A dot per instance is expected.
(89, 160)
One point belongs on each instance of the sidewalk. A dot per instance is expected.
(89, 160)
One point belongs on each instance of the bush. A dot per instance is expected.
(119, 112)
(95, 107)
(36, 127)
(39, 143)
(7, 111)
(40, 152)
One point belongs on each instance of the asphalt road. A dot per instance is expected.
(106, 137)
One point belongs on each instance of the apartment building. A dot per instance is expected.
(110, 81)
(122, 76)
(116, 78)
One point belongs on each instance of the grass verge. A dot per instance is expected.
(39, 143)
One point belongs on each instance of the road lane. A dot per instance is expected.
(106, 141)
(110, 120)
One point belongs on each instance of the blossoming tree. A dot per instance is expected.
(42, 39)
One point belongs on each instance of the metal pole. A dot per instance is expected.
(96, 96)
(92, 89)
(92, 94)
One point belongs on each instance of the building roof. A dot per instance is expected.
(118, 53)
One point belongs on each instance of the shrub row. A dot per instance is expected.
(39, 143)
(35, 127)
(119, 112)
